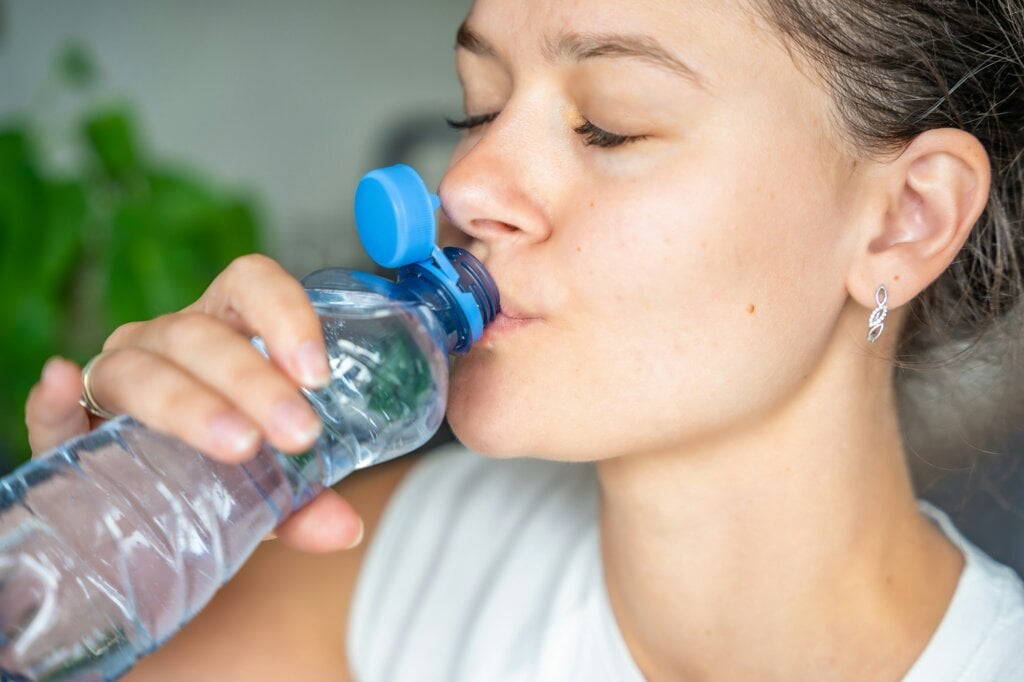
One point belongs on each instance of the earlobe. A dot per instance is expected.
(936, 191)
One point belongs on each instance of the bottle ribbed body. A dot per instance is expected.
(114, 540)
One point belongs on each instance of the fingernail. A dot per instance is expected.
(359, 537)
(311, 364)
(233, 434)
(294, 420)
(270, 536)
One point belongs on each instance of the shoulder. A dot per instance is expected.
(999, 655)
(980, 637)
(469, 548)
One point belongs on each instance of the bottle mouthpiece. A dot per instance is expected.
(396, 223)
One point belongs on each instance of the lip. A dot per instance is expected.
(505, 323)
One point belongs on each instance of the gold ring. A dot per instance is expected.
(87, 400)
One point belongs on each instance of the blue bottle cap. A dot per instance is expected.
(395, 216)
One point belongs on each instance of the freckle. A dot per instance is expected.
(703, 245)
(751, 309)
(896, 277)
(578, 249)
(591, 204)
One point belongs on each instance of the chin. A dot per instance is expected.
(487, 425)
(481, 410)
(501, 410)
(483, 430)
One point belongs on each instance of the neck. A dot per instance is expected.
(791, 550)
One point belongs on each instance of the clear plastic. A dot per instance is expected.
(114, 540)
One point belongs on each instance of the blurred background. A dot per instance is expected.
(144, 144)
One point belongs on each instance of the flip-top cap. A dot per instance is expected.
(395, 216)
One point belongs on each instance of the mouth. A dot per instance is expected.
(506, 323)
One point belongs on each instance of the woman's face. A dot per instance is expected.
(662, 201)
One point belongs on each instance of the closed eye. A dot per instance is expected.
(594, 136)
(471, 122)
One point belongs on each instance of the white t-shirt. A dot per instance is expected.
(489, 571)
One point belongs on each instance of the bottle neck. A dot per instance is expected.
(419, 287)
(460, 292)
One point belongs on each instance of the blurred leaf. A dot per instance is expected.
(168, 244)
(237, 232)
(138, 283)
(82, 254)
(76, 66)
(111, 137)
(40, 239)
(19, 190)
(61, 239)
(14, 148)
(181, 201)
(35, 321)
(28, 341)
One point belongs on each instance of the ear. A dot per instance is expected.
(933, 194)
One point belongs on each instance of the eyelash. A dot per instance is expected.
(592, 135)
(471, 122)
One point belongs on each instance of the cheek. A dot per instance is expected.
(732, 283)
(697, 258)
(677, 319)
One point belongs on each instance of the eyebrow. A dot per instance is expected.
(470, 41)
(582, 46)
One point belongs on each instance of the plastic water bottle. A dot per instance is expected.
(112, 541)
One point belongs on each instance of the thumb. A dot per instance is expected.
(52, 413)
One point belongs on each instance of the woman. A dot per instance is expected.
(697, 214)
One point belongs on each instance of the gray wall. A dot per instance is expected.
(288, 99)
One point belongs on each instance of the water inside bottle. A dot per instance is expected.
(388, 384)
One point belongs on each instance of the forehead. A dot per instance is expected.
(712, 35)
(747, 70)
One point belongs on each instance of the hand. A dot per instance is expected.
(195, 375)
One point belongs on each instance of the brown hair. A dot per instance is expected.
(898, 68)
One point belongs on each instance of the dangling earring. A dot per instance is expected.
(876, 323)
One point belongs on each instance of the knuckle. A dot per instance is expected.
(185, 329)
(260, 381)
(119, 361)
(185, 398)
(185, 408)
(122, 335)
(251, 264)
(128, 378)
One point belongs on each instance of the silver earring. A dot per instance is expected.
(876, 323)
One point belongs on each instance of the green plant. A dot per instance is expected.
(119, 237)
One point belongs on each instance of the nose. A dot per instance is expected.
(489, 194)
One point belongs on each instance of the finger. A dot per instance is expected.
(238, 372)
(327, 524)
(258, 296)
(52, 413)
(167, 398)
